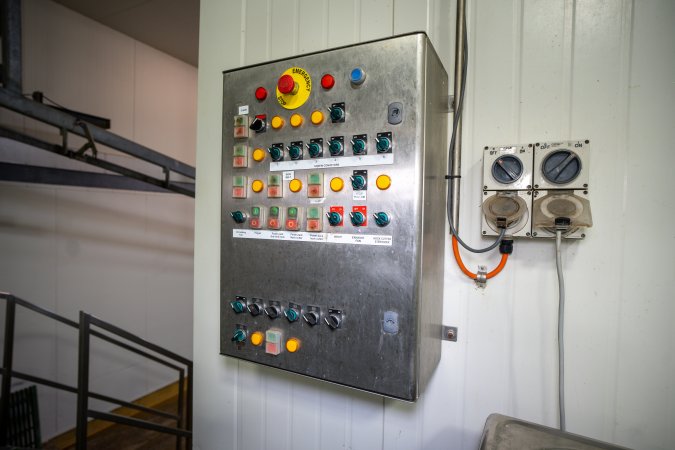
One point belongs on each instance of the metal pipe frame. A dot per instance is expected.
(183, 416)
(10, 30)
(179, 188)
(12, 98)
(459, 74)
(24, 173)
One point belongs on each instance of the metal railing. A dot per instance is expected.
(87, 327)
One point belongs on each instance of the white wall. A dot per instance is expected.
(126, 257)
(539, 70)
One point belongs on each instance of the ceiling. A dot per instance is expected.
(171, 26)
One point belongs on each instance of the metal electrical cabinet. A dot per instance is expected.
(333, 214)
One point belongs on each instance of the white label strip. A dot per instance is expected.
(332, 238)
(343, 161)
(243, 109)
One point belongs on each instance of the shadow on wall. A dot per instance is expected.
(98, 223)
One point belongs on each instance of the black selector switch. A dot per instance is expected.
(273, 311)
(259, 124)
(312, 316)
(334, 319)
(255, 308)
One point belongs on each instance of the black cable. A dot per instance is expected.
(459, 106)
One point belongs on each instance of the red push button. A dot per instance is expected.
(313, 224)
(273, 224)
(261, 94)
(239, 161)
(286, 84)
(238, 192)
(327, 81)
(314, 191)
(274, 192)
(292, 225)
(254, 223)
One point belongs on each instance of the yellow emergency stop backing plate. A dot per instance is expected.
(304, 82)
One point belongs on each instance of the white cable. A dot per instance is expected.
(561, 329)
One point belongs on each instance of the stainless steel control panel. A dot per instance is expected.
(333, 214)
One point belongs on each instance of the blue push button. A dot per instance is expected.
(357, 76)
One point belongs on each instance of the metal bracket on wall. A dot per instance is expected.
(449, 333)
(12, 98)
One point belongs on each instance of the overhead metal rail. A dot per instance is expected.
(12, 98)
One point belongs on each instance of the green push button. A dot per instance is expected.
(274, 210)
(239, 150)
(255, 211)
(313, 213)
(274, 180)
(239, 181)
(293, 212)
(314, 178)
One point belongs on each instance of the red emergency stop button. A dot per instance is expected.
(327, 81)
(261, 94)
(286, 84)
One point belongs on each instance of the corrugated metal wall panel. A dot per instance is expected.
(538, 71)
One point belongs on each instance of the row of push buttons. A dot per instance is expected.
(287, 85)
(315, 183)
(274, 217)
(272, 338)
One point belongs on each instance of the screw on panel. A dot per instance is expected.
(534, 234)
(449, 333)
(583, 235)
(484, 187)
(585, 192)
(587, 141)
(527, 234)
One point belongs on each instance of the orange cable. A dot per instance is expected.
(467, 272)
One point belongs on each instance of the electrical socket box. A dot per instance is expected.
(350, 273)
(526, 187)
(513, 203)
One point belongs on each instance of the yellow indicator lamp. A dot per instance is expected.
(257, 338)
(296, 120)
(295, 185)
(336, 184)
(293, 345)
(317, 117)
(277, 122)
(383, 182)
(258, 154)
(257, 186)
